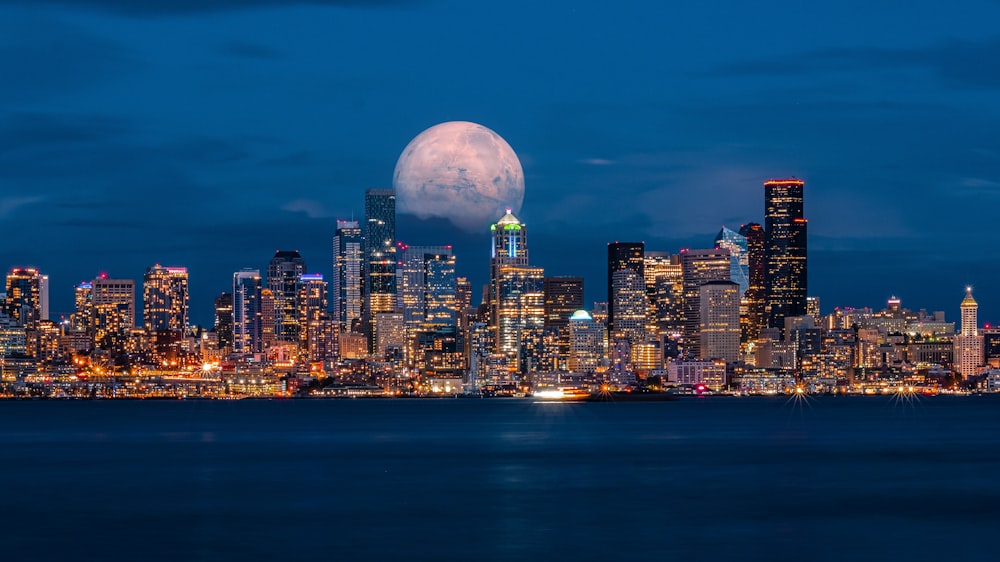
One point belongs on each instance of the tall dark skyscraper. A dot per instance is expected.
(247, 329)
(224, 320)
(755, 295)
(283, 281)
(785, 250)
(563, 297)
(380, 251)
(348, 274)
(621, 256)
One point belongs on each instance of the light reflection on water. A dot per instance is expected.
(826, 478)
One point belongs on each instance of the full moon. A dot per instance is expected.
(460, 171)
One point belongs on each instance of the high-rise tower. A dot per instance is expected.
(380, 251)
(283, 274)
(755, 294)
(968, 352)
(27, 296)
(622, 256)
(785, 250)
(165, 299)
(348, 276)
(699, 267)
(247, 331)
(739, 262)
(509, 247)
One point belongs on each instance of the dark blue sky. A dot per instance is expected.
(209, 133)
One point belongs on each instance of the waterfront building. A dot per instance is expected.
(348, 274)
(785, 250)
(712, 374)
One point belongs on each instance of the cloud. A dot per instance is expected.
(144, 8)
(597, 161)
(959, 63)
(8, 205)
(312, 209)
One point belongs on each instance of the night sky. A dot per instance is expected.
(209, 133)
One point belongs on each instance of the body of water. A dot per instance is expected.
(831, 478)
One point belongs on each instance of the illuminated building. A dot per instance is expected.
(27, 300)
(520, 315)
(812, 307)
(509, 248)
(664, 291)
(380, 251)
(699, 267)
(283, 274)
(719, 320)
(348, 276)
(739, 262)
(755, 296)
(784, 250)
(315, 333)
(268, 314)
(628, 290)
(114, 311)
(165, 299)
(247, 323)
(712, 374)
(13, 337)
(622, 256)
(390, 335)
(83, 298)
(224, 321)
(587, 343)
(426, 285)
(968, 354)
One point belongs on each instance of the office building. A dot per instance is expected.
(348, 274)
(27, 300)
(719, 320)
(755, 296)
(380, 251)
(509, 248)
(785, 250)
(165, 299)
(224, 321)
(622, 256)
(699, 267)
(283, 273)
(739, 261)
(113, 302)
(247, 318)
(968, 352)
(520, 315)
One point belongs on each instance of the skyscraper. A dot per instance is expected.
(622, 255)
(247, 311)
(736, 243)
(380, 251)
(665, 292)
(283, 274)
(520, 315)
(509, 248)
(427, 286)
(27, 296)
(83, 298)
(628, 300)
(785, 250)
(756, 294)
(719, 317)
(224, 320)
(563, 297)
(968, 346)
(315, 333)
(587, 343)
(699, 267)
(165, 299)
(114, 311)
(348, 274)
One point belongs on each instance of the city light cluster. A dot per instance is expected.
(396, 319)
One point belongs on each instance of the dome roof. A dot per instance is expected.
(581, 315)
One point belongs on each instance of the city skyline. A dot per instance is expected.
(120, 136)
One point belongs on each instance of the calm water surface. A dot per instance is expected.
(831, 478)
